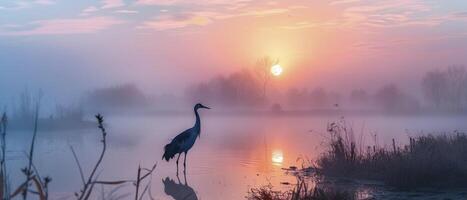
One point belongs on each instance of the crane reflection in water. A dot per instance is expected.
(179, 191)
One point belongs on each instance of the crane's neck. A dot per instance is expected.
(197, 126)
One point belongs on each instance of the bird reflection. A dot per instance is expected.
(179, 191)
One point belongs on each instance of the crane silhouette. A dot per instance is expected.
(183, 142)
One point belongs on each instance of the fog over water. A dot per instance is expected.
(233, 153)
(277, 75)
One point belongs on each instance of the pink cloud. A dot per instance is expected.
(127, 11)
(156, 2)
(167, 22)
(339, 2)
(112, 4)
(198, 2)
(89, 9)
(202, 18)
(67, 26)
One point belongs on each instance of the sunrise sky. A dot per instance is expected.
(160, 43)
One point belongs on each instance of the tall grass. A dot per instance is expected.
(36, 186)
(426, 161)
(4, 189)
(302, 190)
(92, 180)
(39, 184)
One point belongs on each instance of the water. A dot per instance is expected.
(232, 155)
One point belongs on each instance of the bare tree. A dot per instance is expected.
(319, 97)
(237, 89)
(434, 86)
(446, 89)
(358, 96)
(457, 77)
(389, 97)
(263, 70)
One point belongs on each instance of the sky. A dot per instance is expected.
(68, 47)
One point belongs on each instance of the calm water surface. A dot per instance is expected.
(232, 155)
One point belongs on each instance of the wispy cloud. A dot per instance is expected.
(127, 11)
(166, 22)
(88, 10)
(19, 5)
(189, 2)
(387, 14)
(105, 4)
(66, 26)
(169, 21)
(339, 2)
(44, 2)
(112, 4)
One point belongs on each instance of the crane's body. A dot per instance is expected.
(184, 141)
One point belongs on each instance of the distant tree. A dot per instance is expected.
(70, 112)
(296, 97)
(122, 96)
(263, 71)
(333, 98)
(392, 99)
(359, 96)
(319, 97)
(27, 105)
(434, 86)
(237, 89)
(446, 89)
(457, 79)
(388, 96)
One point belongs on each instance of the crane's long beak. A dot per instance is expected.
(205, 107)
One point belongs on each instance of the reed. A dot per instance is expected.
(302, 190)
(92, 180)
(37, 186)
(426, 160)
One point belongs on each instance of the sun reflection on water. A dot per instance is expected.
(277, 157)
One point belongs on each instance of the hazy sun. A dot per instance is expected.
(277, 157)
(276, 70)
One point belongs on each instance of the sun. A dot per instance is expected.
(276, 70)
(277, 157)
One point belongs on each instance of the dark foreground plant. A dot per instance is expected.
(38, 186)
(302, 190)
(426, 161)
(92, 180)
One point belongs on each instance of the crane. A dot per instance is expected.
(184, 141)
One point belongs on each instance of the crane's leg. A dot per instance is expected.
(184, 162)
(178, 178)
(184, 176)
(178, 158)
(177, 161)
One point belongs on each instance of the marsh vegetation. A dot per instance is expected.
(427, 160)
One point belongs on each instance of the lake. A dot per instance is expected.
(233, 154)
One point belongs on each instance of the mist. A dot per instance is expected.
(282, 100)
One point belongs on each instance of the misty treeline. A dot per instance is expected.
(446, 89)
(237, 89)
(440, 90)
(120, 96)
(242, 88)
(23, 109)
(54, 116)
(388, 98)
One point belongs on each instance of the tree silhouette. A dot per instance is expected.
(263, 70)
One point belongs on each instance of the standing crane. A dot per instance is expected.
(183, 142)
